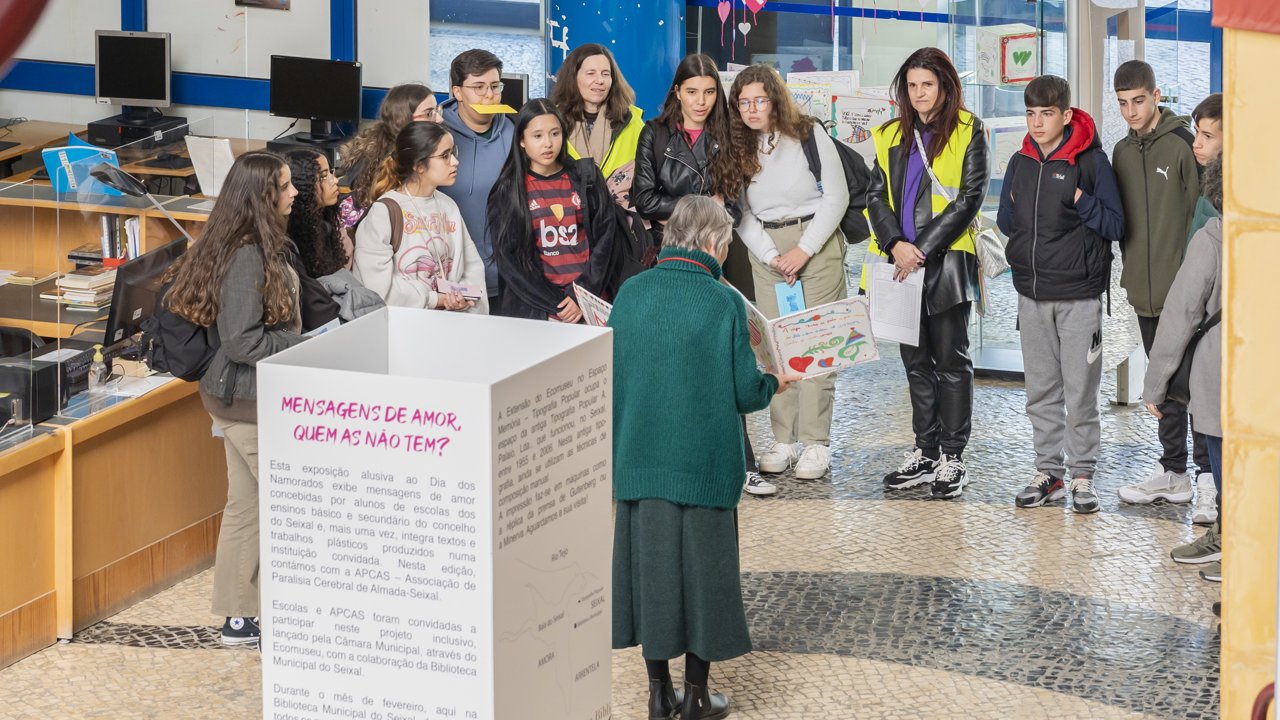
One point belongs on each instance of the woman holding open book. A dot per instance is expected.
(552, 220)
(237, 280)
(791, 224)
(683, 373)
(412, 247)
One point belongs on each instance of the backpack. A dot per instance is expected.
(854, 223)
(633, 251)
(397, 223)
(173, 344)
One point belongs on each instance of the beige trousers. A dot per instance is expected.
(235, 571)
(803, 413)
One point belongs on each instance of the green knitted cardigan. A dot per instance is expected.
(683, 374)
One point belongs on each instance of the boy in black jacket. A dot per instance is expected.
(1060, 208)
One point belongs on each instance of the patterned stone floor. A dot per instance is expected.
(861, 604)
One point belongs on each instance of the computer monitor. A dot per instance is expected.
(133, 298)
(132, 69)
(321, 91)
(515, 89)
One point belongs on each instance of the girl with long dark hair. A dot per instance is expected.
(791, 225)
(552, 222)
(604, 123)
(685, 150)
(364, 155)
(922, 227)
(434, 248)
(237, 279)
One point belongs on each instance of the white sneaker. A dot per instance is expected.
(1160, 485)
(1206, 512)
(779, 459)
(814, 462)
(757, 485)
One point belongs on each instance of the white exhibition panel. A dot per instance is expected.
(435, 513)
(64, 32)
(392, 41)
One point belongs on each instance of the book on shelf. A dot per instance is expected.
(91, 277)
(74, 299)
(31, 276)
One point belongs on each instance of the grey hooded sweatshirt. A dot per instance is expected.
(480, 160)
(1196, 295)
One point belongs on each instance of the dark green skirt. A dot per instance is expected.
(676, 583)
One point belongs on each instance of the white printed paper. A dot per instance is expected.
(594, 309)
(895, 306)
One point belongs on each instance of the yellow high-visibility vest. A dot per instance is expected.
(948, 166)
(623, 149)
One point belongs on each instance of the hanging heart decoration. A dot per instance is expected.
(744, 28)
(755, 6)
(724, 8)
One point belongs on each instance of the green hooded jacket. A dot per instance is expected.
(1159, 187)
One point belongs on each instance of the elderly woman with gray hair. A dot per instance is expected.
(683, 374)
(1189, 323)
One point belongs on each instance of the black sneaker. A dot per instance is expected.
(1044, 488)
(950, 478)
(916, 469)
(1083, 499)
(240, 631)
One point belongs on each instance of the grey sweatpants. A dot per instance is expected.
(1062, 363)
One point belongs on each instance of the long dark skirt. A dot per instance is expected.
(676, 583)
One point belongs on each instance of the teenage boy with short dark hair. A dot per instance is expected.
(1159, 185)
(482, 142)
(1060, 209)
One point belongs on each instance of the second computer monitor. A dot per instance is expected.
(515, 89)
(132, 68)
(138, 284)
(321, 91)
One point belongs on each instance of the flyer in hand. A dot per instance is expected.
(815, 341)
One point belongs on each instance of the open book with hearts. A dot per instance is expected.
(814, 341)
(595, 311)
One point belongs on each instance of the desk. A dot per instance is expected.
(132, 161)
(98, 513)
(34, 135)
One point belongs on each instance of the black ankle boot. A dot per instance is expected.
(702, 704)
(664, 701)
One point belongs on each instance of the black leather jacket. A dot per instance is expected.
(950, 277)
(666, 174)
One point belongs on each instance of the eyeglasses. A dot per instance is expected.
(759, 103)
(429, 114)
(482, 89)
(451, 152)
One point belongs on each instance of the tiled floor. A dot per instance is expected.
(862, 604)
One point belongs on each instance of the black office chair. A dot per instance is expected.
(18, 341)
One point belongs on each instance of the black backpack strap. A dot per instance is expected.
(661, 136)
(810, 146)
(1208, 323)
(397, 223)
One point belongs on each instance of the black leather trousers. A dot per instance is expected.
(940, 375)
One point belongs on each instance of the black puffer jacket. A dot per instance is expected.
(1060, 247)
(667, 173)
(950, 277)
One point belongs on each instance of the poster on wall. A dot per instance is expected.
(855, 117)
(436, 529)
(268, 4)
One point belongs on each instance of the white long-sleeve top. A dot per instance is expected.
(435, 244)
(784, 188)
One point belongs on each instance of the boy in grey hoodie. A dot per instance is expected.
(483, 142)
(1194, 302)
(1159, 185)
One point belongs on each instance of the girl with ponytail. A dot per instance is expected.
(415, 251)
(364, 155)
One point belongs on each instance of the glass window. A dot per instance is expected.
(510, 29)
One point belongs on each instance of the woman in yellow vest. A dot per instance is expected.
(604, 125)
(920, 228)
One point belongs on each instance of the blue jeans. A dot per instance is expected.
(1214, 446)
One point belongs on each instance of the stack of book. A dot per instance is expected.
(86, 288)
